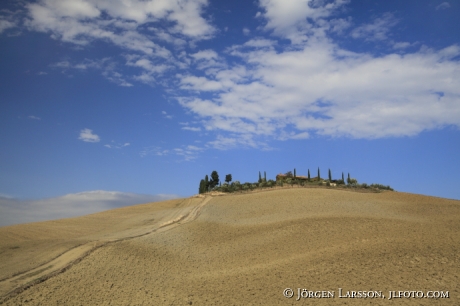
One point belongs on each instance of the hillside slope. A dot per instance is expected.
(246, 249)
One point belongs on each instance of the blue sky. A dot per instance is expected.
(107, 103)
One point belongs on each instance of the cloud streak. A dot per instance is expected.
(14, 211)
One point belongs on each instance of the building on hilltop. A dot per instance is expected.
(283, 177)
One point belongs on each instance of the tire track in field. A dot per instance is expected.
(16, 284)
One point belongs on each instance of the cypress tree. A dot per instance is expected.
(214, 179)
(330, 175)
(343, 178)
(260, 178)
(206, 183)
(265, 176)
(202, 188)
(308, 174)
(319, 177)
(348, 179)
(294, 174)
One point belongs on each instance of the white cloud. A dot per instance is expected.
(377, 30)
(141, 27)
(236, 141)
(88, 136)
(6, 24)
(296, 19)
(205, 55)
(166, 37)
(150, 70)
(260, 43)
(186, 153)
(166, 115)
(147, 65)
(106, 65)
(401, 45)
(117, 146)
(153, 150)
(81, 21)
(194, 148)
(292, 135)
(206, 59)
(246, 31)
(193, 129)
(34, 117)
(318, 87)
(323, 89)
(14, 211)
(443, 6)
(268, 88)
(199, 83)
(116, 77)
(339, 25)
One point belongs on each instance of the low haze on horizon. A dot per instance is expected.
(113, 103)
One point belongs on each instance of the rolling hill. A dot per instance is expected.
(241, 249)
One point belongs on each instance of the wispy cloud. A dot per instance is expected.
(153, 150)
(443, 6)
(185, 152)
(87, 136)
(377, 30)
(34, 117)
(6, 24)
(10, 20)
(117, 146)
(107, 67)
(190, 128)
(14, 211)
(165, 114)
(401, 45)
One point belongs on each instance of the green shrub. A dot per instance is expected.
(236, 185)
(380, 186)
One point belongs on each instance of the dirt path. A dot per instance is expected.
(18, 283)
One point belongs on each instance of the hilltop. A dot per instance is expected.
(241, 249)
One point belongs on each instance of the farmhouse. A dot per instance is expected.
(283, 177)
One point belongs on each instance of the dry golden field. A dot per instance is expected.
(241, 250)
